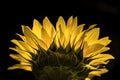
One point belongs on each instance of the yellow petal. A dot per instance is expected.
(70, 22)
(92, 26)
(37, 28)
(18, 44)
(71, 26)
(63, 32)
(76, 34)
(75, 23)
(30, 41)
(46, 38)
(61, 38)
(104, 41)
(99, 72)
(27, 47)
(22, 37)
(79, 33)
(101, 59)
(53, 33)
(91, 67)
(33, 39)
(107, 56)
(56, 41)
(18, 58)
(103, 49)
(97, 62)
(61, 24)
(19, 66)
(92, 35)
(24, 54)
(90, 50)
(49, 28)
(79, 44)
(26, 63)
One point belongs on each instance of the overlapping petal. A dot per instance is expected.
(20, 66)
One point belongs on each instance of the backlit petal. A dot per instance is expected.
(88, 50)
(27, 47)
(36, 29)
(19, 58)
(61, 24)
(24, 54)
(99, 72)
(18, 44)
(92, 35)
(103, 56)
(49, 28)
(104, 41)
(33, 39)
(19, 66)
(76, 34)
(46, 39)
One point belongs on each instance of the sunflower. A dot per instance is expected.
(65, 52)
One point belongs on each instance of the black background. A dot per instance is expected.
(14, 14)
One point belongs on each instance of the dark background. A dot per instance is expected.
(14, 14)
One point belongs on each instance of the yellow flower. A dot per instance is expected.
(64, 52)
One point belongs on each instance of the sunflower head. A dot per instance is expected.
(63, 52)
